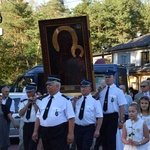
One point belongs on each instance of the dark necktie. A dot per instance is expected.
(82, 109)
(47, 108)
(106, 100)
(28, 111)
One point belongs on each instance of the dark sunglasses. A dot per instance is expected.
(108, 77)
(29, 92)
(143, 86)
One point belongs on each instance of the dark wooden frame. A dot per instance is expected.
(54, 48)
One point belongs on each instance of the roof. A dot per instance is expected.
(138, 43)
(140, 69)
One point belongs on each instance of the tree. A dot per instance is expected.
(145, 28)
(18, 49)
(20, 46)
(82, 9)
(52, 9)
(112, 21)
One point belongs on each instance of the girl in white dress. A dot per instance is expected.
(145, 113)
(135, 133)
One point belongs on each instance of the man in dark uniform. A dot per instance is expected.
(55, 118)
(112, 100)
(27, 110)
(88, 117)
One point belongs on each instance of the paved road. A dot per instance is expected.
(13, 147)
(14, 144)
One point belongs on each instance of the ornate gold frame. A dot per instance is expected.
(66, 51)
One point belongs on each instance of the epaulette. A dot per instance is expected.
(95, 98)
(39, 98)
(23, 100)
(66, 97)
(79, 96)
(43, 96)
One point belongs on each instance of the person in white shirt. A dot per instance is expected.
(21, 124)
(55, 118)
(112, 100)
(88, 117)
(6, 100)
(128, 99)
(27, 110)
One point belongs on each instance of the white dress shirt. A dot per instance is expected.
(116, 98)
(60, 111)
(92, 111)
(12, 106)
(33, 111)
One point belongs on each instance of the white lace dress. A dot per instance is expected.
(147, 121)
(135, 132)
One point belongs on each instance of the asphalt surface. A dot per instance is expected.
(14, 147)
(14, 144)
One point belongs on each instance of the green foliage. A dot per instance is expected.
(111, 22)
(52, 9)
(145, 28)
(18, 48)
(82, 9)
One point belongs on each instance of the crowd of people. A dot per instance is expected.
(56, 122)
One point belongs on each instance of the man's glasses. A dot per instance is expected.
(143, 86)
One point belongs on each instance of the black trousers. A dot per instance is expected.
(84, 136)
(55, 138)
(108, 132)
(126, 117)
(28, 129)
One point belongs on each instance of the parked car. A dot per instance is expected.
(16, 97)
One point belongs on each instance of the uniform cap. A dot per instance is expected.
(31, 87)
(53, 78)
(109, 73)
(85, 83)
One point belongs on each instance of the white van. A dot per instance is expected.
(16, 97)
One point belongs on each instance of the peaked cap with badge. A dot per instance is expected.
(109, 73)
(53, 78)
(31, 87)
(85, 83)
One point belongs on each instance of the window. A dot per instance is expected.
(145, 58)
(16, 100)
(124, 58)
(98, 79)
(123, 79)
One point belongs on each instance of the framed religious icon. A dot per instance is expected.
(66, 51)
